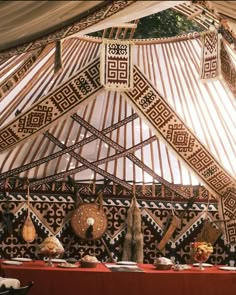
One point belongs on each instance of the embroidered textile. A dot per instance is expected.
(117, 65)
(227, 209)
(155, 109)
(228, 70)
(47, 111)
(210, 63)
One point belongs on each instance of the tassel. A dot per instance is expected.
(89, 232)
(58, 57)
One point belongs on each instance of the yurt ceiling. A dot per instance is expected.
(106, 137)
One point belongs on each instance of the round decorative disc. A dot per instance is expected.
(88, 222)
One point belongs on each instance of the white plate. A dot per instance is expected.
(21, 259)
(58, 260)
(126, 263)
(12, 262)
(68, 265)
(227, 268)
(203, 264)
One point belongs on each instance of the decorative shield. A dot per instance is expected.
(89, 221)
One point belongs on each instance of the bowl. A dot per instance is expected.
(88, 264)
(163, 266)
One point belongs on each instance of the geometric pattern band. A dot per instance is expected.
(228, 70)
(116, 64)
(210, 59)
(155, 109)
(110, 8)
(227, 208)
(48, 110)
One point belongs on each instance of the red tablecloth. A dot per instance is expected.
(100, 280)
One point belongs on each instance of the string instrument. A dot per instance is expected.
(28, 229)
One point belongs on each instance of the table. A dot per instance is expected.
(101, 280)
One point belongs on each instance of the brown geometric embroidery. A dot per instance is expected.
(201, 160)
(117, 64)
(173, 130)
(40, 116)
(228, 69)
(7, 137)
(52, 107)
(227, 208)
(220, 180)
(180, 138)
(210, 56)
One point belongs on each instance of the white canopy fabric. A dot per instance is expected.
(172, 66)
(207, 108)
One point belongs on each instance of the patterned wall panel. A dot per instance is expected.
(51, 216)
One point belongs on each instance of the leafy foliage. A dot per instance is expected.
(167, 23)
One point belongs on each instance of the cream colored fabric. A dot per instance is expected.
(137, 10)
(8, 282)
(23, 21)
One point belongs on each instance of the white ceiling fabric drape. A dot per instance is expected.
(173, 68)
(24, 21)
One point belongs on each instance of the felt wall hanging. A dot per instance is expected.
(116, 68)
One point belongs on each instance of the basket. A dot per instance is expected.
(88, 264)
(163, 266)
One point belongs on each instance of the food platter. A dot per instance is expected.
(22, 259)
(227, 268)
(12, 262)
(67, 265)
(203, 264)
(126, 263)
(58, 260)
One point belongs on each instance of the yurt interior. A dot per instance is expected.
(117, 135)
